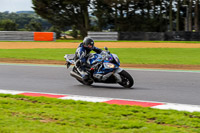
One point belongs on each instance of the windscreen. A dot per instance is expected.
(106, 56)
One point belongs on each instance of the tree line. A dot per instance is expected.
(99, 15)
(121, 15)
(22, 22)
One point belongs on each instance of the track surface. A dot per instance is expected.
(163, 86)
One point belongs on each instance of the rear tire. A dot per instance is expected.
(85, 82)
(127, 80)
(89, 82)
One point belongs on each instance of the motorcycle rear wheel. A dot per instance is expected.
(85, 82)
(89, 82)
(127, 80)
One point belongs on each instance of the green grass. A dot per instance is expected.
(22, 114)
(186, 56)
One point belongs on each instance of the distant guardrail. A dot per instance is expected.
(142, 36)
(146, 36)
(106, 36)
(160, 36)
(27, 36)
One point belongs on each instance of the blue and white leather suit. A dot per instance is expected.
(82, 54)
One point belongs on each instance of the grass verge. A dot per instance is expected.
(39, 114)
(184, 56)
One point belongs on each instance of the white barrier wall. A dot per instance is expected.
(105, 36)
(27, 36)
(16, 36)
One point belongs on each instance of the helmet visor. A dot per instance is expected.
(90, 46)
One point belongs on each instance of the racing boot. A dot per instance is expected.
(84, 75)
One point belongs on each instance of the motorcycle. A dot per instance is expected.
(103, 68)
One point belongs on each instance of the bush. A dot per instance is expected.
(56, 30)
(74, 32)
(33, 26)
(8, 25)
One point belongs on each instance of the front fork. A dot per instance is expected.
(117, 76)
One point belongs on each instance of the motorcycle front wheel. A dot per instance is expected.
(127, 80)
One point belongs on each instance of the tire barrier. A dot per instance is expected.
(27, 36)
(44, 36)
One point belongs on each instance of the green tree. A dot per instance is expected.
(120, 15)
(22, 19)
(190, 15)
(197, 16)
(74, 32)
(57, 30)
(63, 13)
(33, 26)
(103, 11)
(8, 25)
(170, 16)
(178, 15)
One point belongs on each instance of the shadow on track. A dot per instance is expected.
(120, 88)
(105, 87)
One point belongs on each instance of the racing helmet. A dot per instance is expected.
(88, 43)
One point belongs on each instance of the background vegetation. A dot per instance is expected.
(22, 21)
(112, 15)
(121, 15)
(26, 21)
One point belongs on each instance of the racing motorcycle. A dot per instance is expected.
(103, 68)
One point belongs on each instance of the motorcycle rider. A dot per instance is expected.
(82, 53)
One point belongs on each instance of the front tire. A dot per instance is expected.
(127, 80)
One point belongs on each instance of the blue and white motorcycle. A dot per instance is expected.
(104, 68)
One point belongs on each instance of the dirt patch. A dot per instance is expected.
(32, 45)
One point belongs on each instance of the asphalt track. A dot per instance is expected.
(150, 85)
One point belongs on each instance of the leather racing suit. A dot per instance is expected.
(82, 54)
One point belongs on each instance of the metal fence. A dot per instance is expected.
(26, 36)
(160, 36)
(16, 36)
(141, 36)
(157, 36)
(107, 36)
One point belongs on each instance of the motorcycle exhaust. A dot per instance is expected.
(75, 75)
